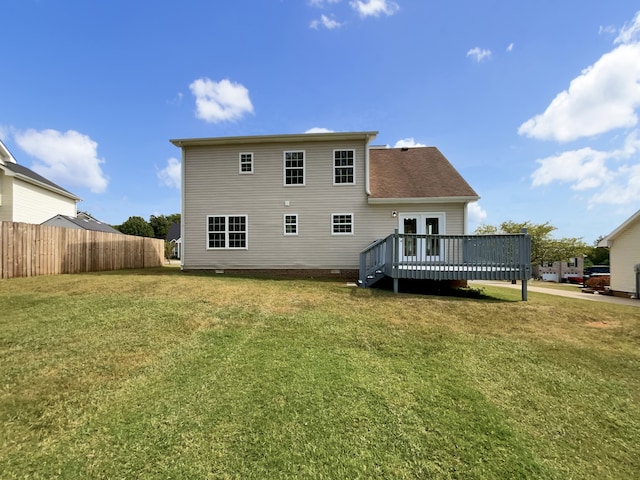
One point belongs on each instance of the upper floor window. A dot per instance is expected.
(246, 162)
(343, 167)
(294, 168)
(227, 231)
(341, 223)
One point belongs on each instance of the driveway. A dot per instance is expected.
(594, 297)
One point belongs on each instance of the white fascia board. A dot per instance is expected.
(606, 241)
(390, 201)
(286, 138)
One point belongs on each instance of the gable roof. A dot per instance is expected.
(606, 241)
(174, 232)
(13, 169)
(415, 174)
(5, 155)
(86, 222)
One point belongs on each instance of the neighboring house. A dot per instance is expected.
(560, 271)
(173, 237)
(83, 221)
(624, 256)
(310, 201)
(28, 197)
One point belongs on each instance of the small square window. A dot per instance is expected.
(291, 224)
(246, 163)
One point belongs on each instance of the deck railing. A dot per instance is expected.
(447, 257)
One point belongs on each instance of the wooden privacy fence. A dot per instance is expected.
(29, 250)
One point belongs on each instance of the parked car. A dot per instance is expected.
(595, 271)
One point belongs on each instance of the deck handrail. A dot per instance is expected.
(448, 257)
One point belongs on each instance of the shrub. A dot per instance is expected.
(599, 282)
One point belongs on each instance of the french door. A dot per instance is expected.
(417, 248)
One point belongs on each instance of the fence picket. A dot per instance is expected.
(31, 250)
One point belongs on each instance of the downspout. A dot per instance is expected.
(367, 186)
(465, 219)
(182, 209)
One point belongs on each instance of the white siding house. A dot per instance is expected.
(28, 197)
(624, 256)
(309, 201)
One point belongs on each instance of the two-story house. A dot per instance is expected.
(28, 197)
(310, 202)
(567, 271)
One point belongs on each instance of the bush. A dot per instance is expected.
(599, 282)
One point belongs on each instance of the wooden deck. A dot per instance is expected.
(447, 257)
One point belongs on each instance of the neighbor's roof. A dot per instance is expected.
(285, 138)
(32, 177)
(87, 223)
(174, 232)
(606, 241)
(415, 174)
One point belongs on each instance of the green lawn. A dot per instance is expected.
(158, 374)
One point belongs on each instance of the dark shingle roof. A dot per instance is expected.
(26, 172)
(420, 172)
(88, 223)
(174, 232)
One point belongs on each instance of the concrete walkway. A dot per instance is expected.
(594, 297)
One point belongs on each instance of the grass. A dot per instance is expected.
(158, 374)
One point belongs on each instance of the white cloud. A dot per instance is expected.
(171, 174)
(585, 168)
(408, 143)
(630, 33)
(603, 98)
(510, 47)
(624, 189)
(374, 8)
(321, 3)
(609, 30)
(4, 132)
(220, 101)
(326, 22)
(477, 215)
(479, 54)
(319, 130)
(614, 175)
(69, 158)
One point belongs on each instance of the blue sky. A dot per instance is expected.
(535, 103)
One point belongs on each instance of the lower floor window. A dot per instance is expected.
(291, 224)
(341, 223)
(227, 231)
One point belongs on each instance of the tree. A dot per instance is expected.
(136, 226)
(160, 225)
(544, 248)
(597, 255)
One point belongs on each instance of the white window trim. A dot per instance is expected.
(226, 233)
(333, 163)
(284, 225)
(240, 163)
(353, 224)
(304, 169)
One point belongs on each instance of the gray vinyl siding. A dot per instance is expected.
(213, 186)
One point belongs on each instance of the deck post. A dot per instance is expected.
(524, 290)
(395, 284)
